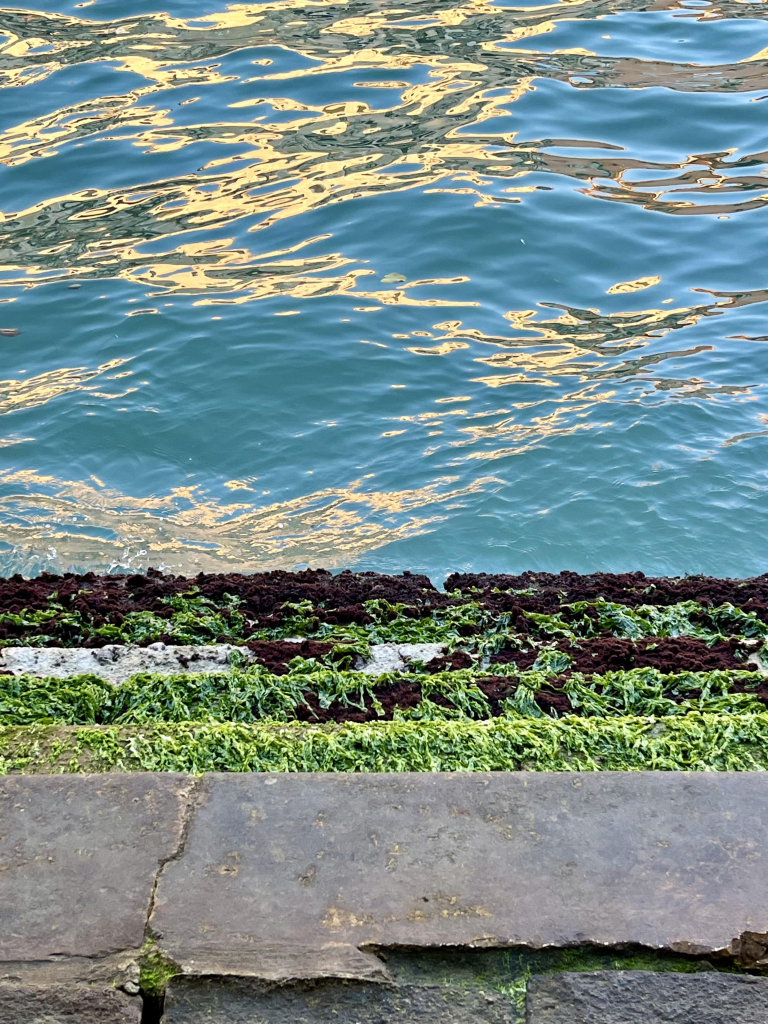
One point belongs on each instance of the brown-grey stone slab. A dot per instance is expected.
(666, 860)
(116, 970)
(283, 963)
(79, 857)
(229, 1001)
(66, 1004)
(645, 997)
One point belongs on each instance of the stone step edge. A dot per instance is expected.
(356, 985)
(116, 663)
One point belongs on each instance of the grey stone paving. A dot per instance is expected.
(79, 856)
(665, 860)
(643, 997)
(274, 892)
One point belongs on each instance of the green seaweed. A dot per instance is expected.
(586, 619)
(187, 619)
(253, 694)
(25, 700)
(465, 624)
(694, 742)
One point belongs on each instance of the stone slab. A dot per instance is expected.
(644, 997)
(74, 1004)
(666, 860)
(79, 857)
(116, 663)
(282, 964)
(115, 970)
(396, 657)
(216, 1001)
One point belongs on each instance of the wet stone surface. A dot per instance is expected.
(194, 1001)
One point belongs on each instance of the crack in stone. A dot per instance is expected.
(191, 799)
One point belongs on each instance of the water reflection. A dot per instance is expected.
(18, 395)
(274, 168)
(170, 156)
(53, 524)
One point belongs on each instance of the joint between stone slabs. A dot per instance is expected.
(269, 968)
(747, 952)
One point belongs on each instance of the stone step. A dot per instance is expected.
(373, 898)
(645, 997)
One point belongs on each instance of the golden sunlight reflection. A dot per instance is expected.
(27, 393)
(186, 531)
(282, 158)
(359, 171)
(584, 361)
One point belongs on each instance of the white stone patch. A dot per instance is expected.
(755, 662)
(114, 663)
(394, 657)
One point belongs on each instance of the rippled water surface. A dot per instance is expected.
(354, 283)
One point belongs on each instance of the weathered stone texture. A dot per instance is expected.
(116, 662)
(215, 1001)
(282, 963)
(67, 1004)
(79, 857)
(660, 859)
(644, 997)
(272, 889)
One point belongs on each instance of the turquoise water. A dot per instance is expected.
(432, 285)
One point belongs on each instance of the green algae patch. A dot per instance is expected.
(694, 742)
(504, 972)
(459, 623)
(254, 694)
(156, 969)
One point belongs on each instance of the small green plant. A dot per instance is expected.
(156, 969)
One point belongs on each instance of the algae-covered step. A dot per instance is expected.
(694, 742)
(308, 671)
